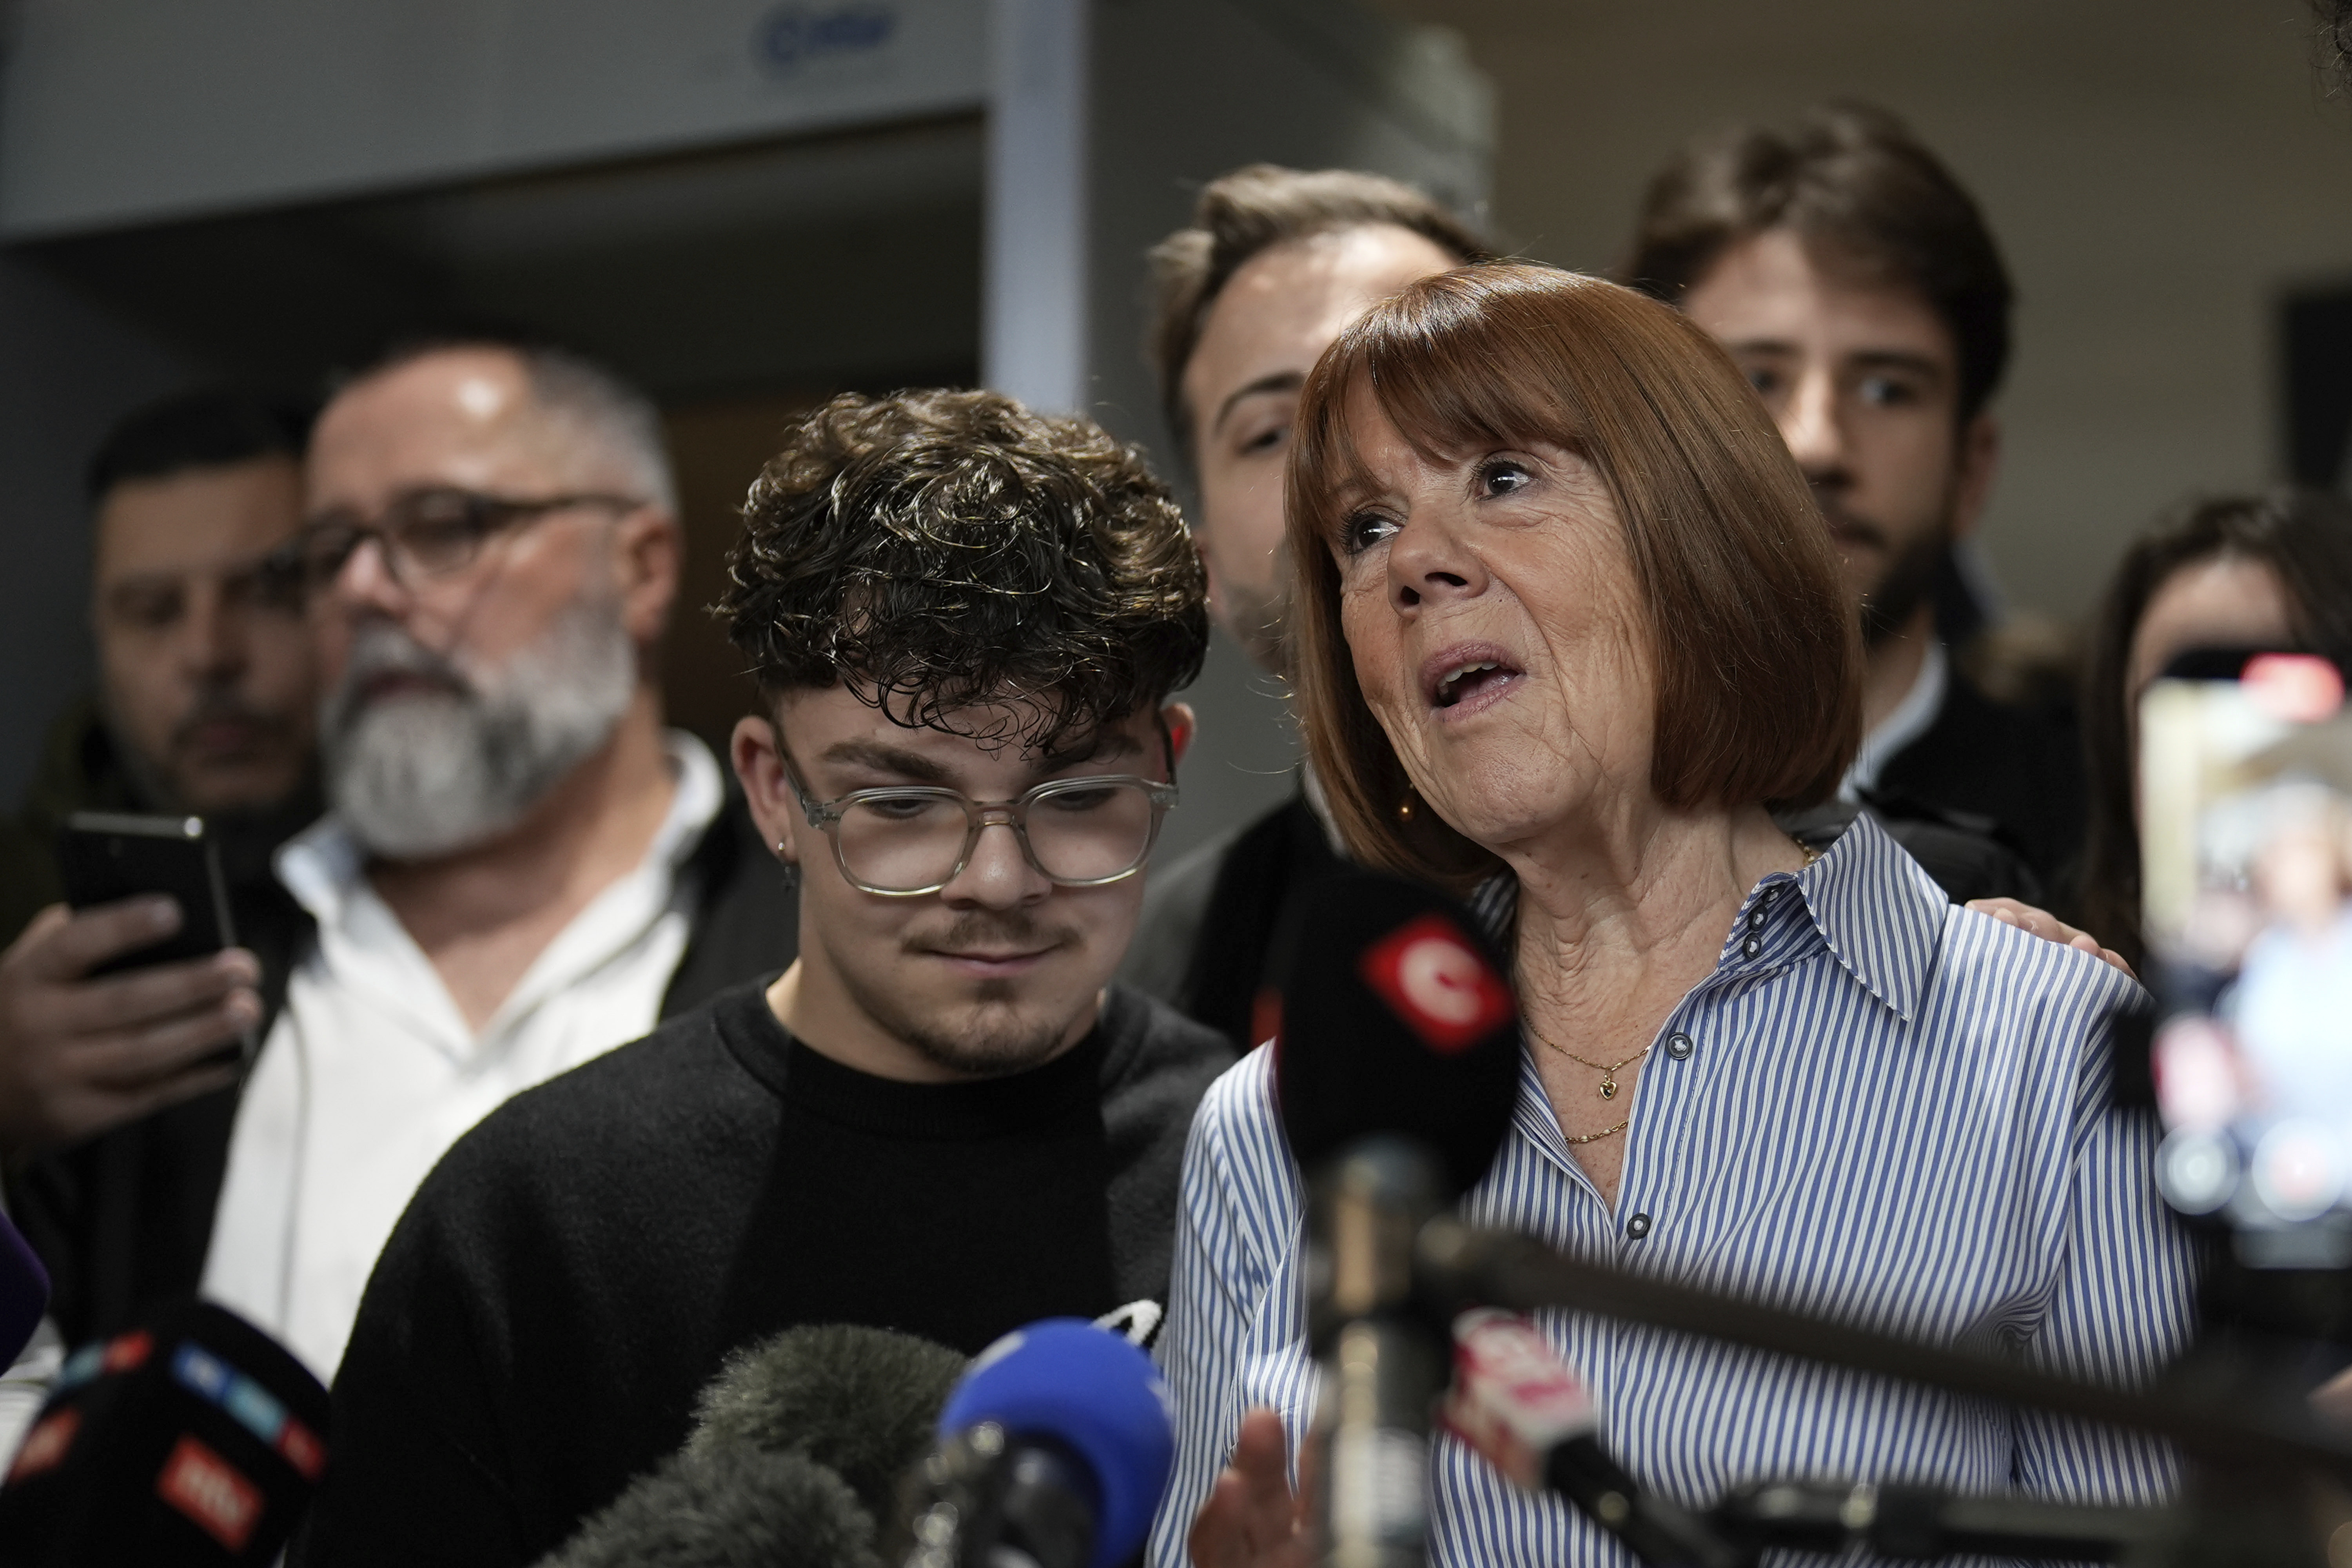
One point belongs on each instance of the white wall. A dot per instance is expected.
(133, 110)
(2156, 171)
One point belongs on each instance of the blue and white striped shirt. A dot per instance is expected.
(1889, 1111)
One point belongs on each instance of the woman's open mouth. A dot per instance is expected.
(1463, 680)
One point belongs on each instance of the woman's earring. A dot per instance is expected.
(792, 866)
(1404, 807)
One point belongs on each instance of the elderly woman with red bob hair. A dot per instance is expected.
(1568, 631)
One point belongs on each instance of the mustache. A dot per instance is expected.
(380, 649)
(984, 929)
(221, 705)
(1844, 520)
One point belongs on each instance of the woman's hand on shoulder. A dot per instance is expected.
(1252, 1518)
(2049, 928)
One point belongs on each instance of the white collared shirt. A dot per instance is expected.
(371, 1071)
(1912, 718)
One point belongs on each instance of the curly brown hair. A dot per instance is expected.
(938, 550)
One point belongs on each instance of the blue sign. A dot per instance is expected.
(793, 35)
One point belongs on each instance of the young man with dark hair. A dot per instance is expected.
(942, 1118)
(206, 704)
(1857, 283)
(1274, 264)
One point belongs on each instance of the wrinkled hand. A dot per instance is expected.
(79, 1054)
(1252, 1519)
(2049, 928)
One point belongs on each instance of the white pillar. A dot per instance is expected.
(1033, 266)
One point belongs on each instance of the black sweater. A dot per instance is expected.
(576, 1269)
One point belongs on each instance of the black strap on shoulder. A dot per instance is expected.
(1259, 876)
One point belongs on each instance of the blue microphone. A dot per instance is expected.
(1054, 1451)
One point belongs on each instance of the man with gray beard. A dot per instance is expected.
(462, 760)
(520, 868)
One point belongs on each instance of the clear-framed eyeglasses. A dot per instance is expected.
(903, 840)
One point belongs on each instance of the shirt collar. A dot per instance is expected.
(1912, 718)
(323, 864)
(1877, 913)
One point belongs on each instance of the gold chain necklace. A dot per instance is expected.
(1608, 1070)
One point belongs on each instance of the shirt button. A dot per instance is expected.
(1756, 919)
(1751, 947)
(1637, 1227)
(1678, 1045)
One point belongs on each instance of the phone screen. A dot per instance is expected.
(2245, 803)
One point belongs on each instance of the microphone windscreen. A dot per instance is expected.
(193, 1438)
(1395, 1020)
(861, 1402)
(727, 1506)
(24, 1291)
(1097, 1395)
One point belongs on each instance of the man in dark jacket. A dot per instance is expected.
(1853, 278)
(520, 868)
(942, 1118)
(205, 704)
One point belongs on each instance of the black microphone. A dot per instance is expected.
(861, 1402)
(1396, 1067)
(727, 1506)
(1919, 1523)
(797, 1452)
(194, 1438)
(1514, 1401)
(851, 1446)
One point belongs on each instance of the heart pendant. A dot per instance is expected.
(1608, 1089)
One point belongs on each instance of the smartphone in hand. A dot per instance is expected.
(2246, 793)
(106, 857)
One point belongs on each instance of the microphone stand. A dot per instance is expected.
(2277, 1482)
(1926, 1523)
(1382, 1367)
(1457, 1263)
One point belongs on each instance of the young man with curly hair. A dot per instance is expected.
(943, 1118)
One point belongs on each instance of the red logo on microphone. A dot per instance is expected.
(211, 1492)
(1433, 979)
(45, 1446)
